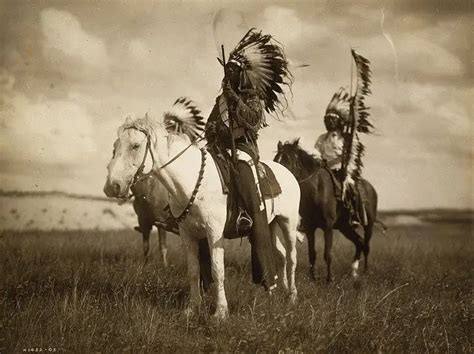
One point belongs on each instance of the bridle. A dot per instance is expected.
(140, 176)
(297, 166)
(307, 178)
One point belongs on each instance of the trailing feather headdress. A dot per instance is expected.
(184, 117)
(263, 61)
(339, 106)
(359, 119)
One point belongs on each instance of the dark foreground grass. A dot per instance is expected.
(90, 291)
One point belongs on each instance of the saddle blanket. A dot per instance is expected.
(265, 180)
(269, 186)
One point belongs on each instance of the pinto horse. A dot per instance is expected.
(197, 202)
(319, 207)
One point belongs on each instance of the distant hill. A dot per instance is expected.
(56, 210)
(62, 211)
(435, 215)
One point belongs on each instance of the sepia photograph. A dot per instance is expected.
(236, 176)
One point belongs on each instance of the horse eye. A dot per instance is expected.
(135, 146)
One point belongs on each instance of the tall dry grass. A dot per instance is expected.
(90, 291)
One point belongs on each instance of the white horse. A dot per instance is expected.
(180, 166)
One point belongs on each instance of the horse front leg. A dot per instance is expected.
(367, 236)
(163, 248)
(218, 275)
(328, 235)
(192, 252)
(310, 235)
(145, 231)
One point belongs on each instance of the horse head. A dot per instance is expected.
(295, 159)
(135, 139)
(142, 137)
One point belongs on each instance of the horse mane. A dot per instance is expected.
(148, 126)
(307, 160)
(141, 123)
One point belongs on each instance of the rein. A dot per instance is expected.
(308, 177)
(196, 188)
(139, 175)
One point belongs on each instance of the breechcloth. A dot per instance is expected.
(245, 190)
(263, 260)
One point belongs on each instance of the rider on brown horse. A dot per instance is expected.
(330, 147)
(253, 77)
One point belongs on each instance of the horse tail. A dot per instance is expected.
(382, 226)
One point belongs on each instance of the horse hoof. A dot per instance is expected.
(355, 268)
(312, 274)
(357, 284)
(189, 312)
(220, 315)
(292, 298)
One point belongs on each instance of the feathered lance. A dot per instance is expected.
(233, 169)
(231, 120)
(349, 129)
(359, 117)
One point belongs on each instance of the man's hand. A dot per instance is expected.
(229, 93)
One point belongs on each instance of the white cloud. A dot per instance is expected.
(279, 20)
(65, 40)
(6, 80)
(45, 131)
(425, 57)
(289, 28)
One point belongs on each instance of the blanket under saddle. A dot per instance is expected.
(265, 180)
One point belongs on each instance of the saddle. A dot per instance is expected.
(360, 196)
(264, 178)
(336, 182)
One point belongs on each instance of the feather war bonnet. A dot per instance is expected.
(264, 64)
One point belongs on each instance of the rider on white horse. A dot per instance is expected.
(253, 75)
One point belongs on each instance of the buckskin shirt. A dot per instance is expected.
(330, 145)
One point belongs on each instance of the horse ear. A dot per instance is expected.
(128, 120)
(296, 142)
(280, 145)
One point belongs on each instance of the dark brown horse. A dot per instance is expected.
(150, 199)
(319, 207)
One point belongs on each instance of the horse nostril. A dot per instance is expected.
(116, 188)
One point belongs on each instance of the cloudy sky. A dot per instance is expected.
(70, 72)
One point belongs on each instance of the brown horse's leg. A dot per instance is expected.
(311, 253)
(352, 235)
(146, 241)
(163, 248)
(367, 236)
(327, 251)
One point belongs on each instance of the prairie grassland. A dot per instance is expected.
(90, 291)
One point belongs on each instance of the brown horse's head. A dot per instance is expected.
(294, 158)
